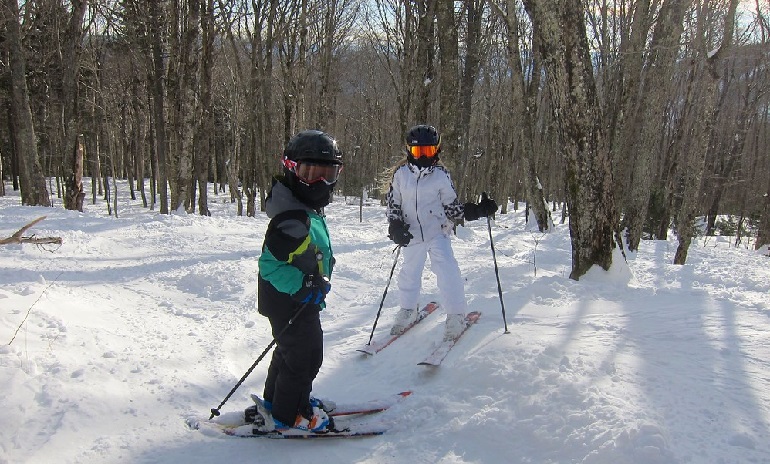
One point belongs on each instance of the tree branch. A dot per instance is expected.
(17, 237)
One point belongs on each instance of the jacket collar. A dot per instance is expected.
(281, 199)
(418, 171)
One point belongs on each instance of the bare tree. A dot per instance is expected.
(701, 98)
(742, 95)
(182, 86)
(473, 41)
(646, 90)
(335, 21)
(391, 28)
(524, 101)
(233, 103)
(763, 236)
(449, 109)
(151, 37)
(762, 195)
(32, 181)
(71, 45)
(204, 131)
(561, 32)
(271, 23)
(422, 66)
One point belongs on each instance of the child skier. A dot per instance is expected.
(294, 271)
(421, 205)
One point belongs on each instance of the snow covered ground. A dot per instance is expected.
(135, 323)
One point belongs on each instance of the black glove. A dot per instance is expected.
(313, 290)
(484, 208)
(398, 231)
(487, 206)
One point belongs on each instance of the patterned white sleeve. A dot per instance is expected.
(393, 199)
(453, 209)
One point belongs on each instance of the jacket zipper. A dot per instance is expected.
(417, 204)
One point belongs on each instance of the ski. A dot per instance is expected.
(438, 355)
(333, 409)
(380, 344)
(248, 431)
(366, 407)
(339, 434)
(241, 424)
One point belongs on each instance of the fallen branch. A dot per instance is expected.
(18, 238)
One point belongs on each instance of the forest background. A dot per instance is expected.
(624, 118)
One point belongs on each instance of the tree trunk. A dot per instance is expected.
(645, 109)
(157, 68)
(75, 186)
(326, 112)
(423, 67)
(206, 127)
(269, 142)
(32, 181)
(450, 81)
(524, 105)
(560, 29)
(182, 78)
(702, 103)
(730, 148)
(2, 179)
(73, 143)
(467, 84)
(763, 234)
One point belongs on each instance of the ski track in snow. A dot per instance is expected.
(137, 322)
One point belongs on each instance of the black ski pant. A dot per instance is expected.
(296, 360)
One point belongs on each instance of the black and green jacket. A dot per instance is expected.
(296, 244)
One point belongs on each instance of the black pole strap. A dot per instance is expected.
(379, 311)
(215, 411)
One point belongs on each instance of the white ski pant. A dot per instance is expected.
(442, 263)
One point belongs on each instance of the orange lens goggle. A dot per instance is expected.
(428, 151)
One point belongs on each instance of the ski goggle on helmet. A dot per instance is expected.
(427, 151)
(310, 172)
(423, 141)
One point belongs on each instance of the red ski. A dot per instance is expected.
(380, 344)
(438, 355)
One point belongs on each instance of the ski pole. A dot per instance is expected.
(379, 311)
(497, 272)
(215, 411)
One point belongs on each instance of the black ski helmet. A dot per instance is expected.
(313, 145)
(316, 146)
(421, 136)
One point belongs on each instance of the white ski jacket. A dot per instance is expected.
(425, 199)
